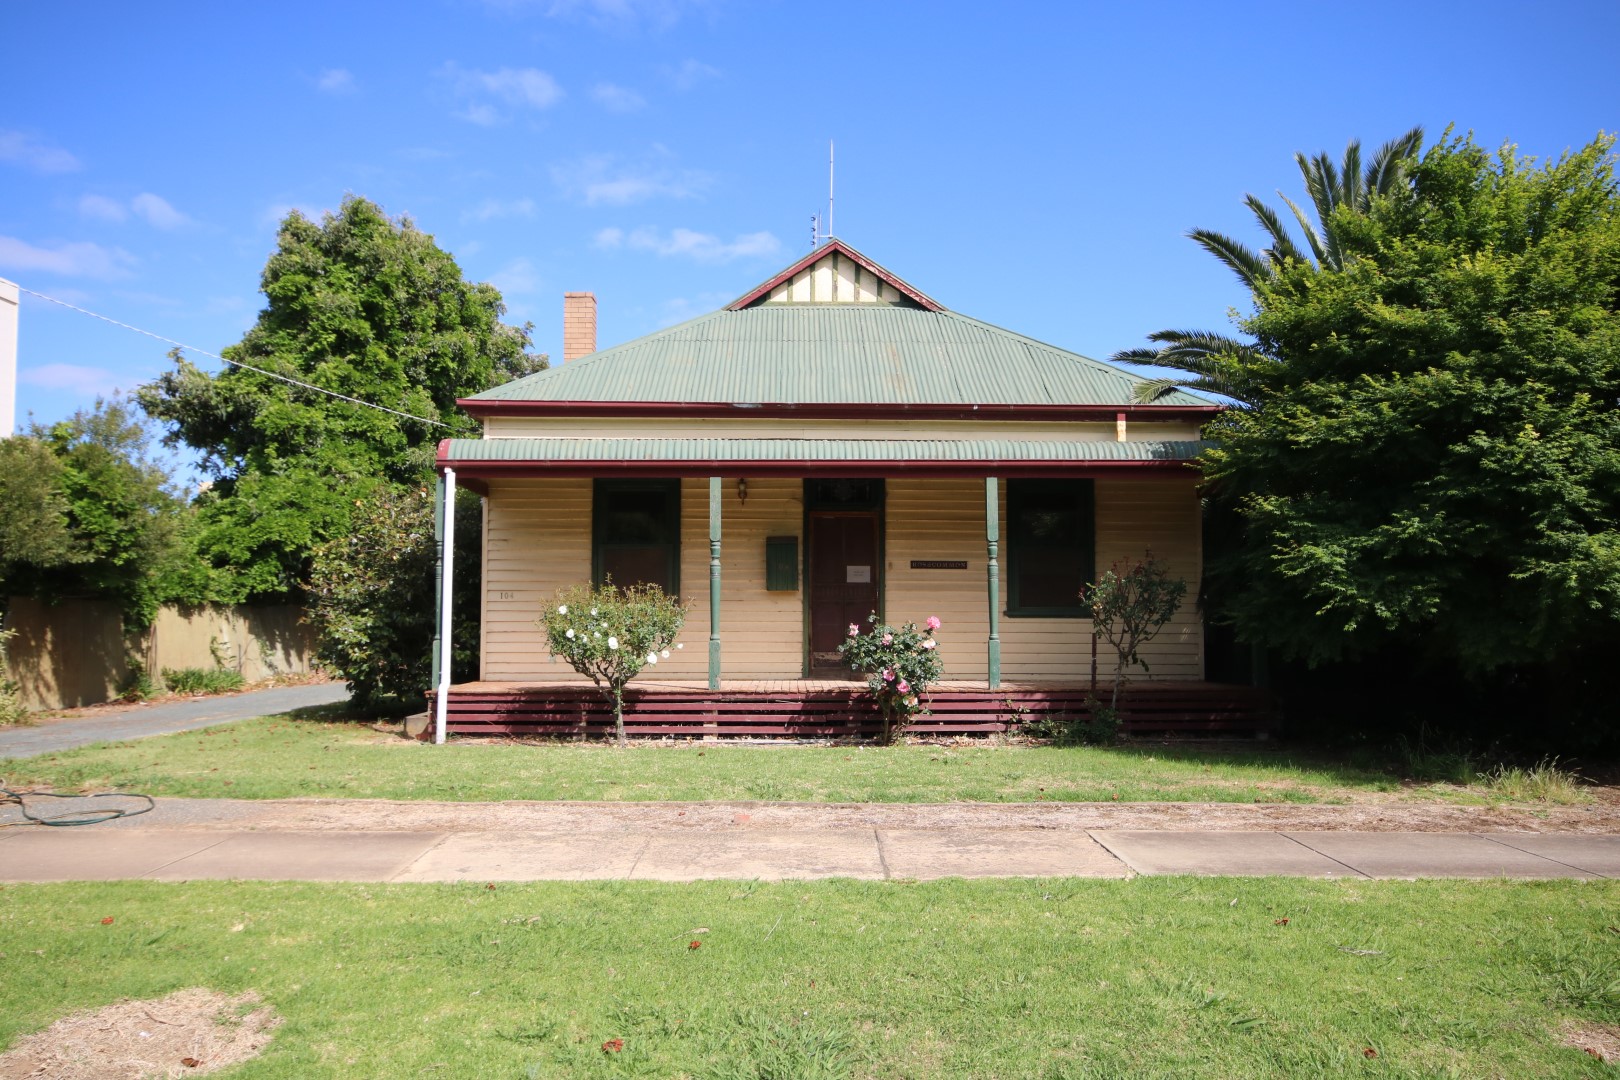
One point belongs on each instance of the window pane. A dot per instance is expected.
(636, 533)
(1049, 539)
(637, 565)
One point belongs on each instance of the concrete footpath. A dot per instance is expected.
(139, 721)
(166, 853)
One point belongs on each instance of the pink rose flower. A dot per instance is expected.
(888, 639)
(888, 676)
(929, 644)
(854, 629)
(903, 686)
(933, 623)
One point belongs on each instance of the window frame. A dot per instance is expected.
(1020, 489)
(671, 490)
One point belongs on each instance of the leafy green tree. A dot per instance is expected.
(1435, 459)
(359, 305)
(373, 590)
(92, 514)
(34, 530)
(610, 634)
(1221, 364)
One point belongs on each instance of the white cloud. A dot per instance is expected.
(519, 88)
(81, 259)
(517, 277)
(75, 378)
(29, 152)
(102, 208)
(597, 180)
(689, 73)
(154, 209)
(491, 209)
(691, 244)
(335, 81)
(614, 98)
(157, 211)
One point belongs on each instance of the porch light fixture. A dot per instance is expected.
(742, 491)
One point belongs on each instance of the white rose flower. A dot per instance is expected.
(680, 645)
(652, 658)
(562, 609)
(665, 654)
(613, 642)
(593, 611)
(570, 633)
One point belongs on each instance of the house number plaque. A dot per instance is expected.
(939, 564)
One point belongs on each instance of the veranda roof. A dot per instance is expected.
(804, 457)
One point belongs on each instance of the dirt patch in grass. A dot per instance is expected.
(1602, 1041)
(563, 816)
(188, 1033)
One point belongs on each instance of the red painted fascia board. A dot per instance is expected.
(709, 410)
(480, 471)
(816, 256)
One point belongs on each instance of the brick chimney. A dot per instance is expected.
(579, 325)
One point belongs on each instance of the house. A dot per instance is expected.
(832, 443)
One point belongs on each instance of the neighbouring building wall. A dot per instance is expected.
(943, 520)
(77, 653)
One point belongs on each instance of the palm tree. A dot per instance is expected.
(1223, 365)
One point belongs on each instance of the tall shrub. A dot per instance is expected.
(1130, 604)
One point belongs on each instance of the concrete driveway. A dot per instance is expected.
(139, 721)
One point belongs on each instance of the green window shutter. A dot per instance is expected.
(782, 563)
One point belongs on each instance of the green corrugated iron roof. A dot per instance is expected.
(811, 450)
(839, 354)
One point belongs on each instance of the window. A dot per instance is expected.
(636, 533)
(1049, 546)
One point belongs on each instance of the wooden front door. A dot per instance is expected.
(844, 581)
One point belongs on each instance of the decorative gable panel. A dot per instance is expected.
(838, 279)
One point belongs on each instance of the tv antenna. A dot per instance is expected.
(817, 233)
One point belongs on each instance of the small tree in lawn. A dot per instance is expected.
(899, 662)
(610, 634)
(1129, 606)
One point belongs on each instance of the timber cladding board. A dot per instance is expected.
(537, 540)
(944, 519)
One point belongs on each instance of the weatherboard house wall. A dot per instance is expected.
(835, 379)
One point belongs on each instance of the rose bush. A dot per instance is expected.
(899, 662)
(609, 634)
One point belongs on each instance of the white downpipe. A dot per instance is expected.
(448, 559)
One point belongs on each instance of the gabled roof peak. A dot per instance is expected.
(835, 273)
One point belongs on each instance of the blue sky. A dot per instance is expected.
(1032, 165)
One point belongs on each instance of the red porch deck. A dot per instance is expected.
(827, 708)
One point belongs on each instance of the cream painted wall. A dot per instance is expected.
(537, 540)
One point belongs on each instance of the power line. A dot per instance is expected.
(237, 363)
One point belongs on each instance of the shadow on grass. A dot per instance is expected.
(1339, 768)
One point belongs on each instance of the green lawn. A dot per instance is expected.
(1056, 978)
(278, 757)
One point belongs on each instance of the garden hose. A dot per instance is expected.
(72, 817)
